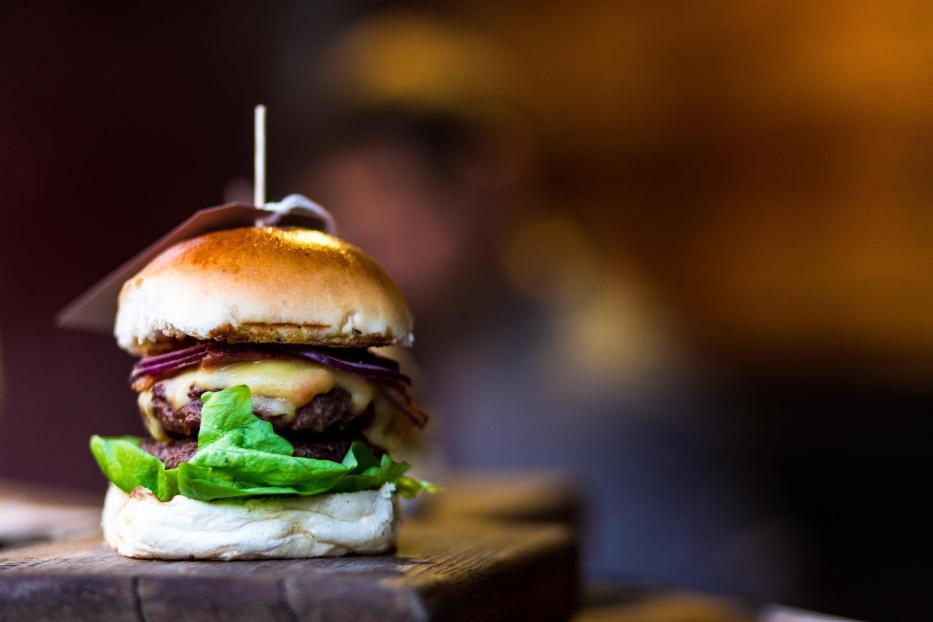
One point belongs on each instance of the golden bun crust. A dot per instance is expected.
(262, 284)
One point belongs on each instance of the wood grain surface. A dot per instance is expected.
(442, 570)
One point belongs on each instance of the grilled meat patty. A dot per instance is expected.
(328, 412)
(320, 448)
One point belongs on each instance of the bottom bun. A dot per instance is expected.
(139, 525)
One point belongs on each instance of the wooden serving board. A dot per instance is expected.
(442, 570)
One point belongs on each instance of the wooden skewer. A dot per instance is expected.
(259, 156)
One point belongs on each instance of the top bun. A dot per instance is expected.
(262, 284)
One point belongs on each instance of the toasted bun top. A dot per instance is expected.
(268, 284)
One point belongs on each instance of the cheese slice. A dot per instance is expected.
(278, 388)
(295, 381)
(152, 423)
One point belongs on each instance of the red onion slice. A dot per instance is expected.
(172, 354)
(375, 367)
(382, 371)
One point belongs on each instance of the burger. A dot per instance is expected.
(271, 423)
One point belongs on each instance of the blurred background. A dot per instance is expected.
(680, 251)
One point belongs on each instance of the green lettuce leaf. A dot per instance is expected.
(227, 420)
(128, 466)
(240, 455)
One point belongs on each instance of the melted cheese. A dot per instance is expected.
(279, 388)
(295, 381)
(361, 391)
(389, 428)
(381, 431)
(153, 425)
(274, 406)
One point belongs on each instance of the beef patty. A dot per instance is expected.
(327, 412)
(325, 448)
